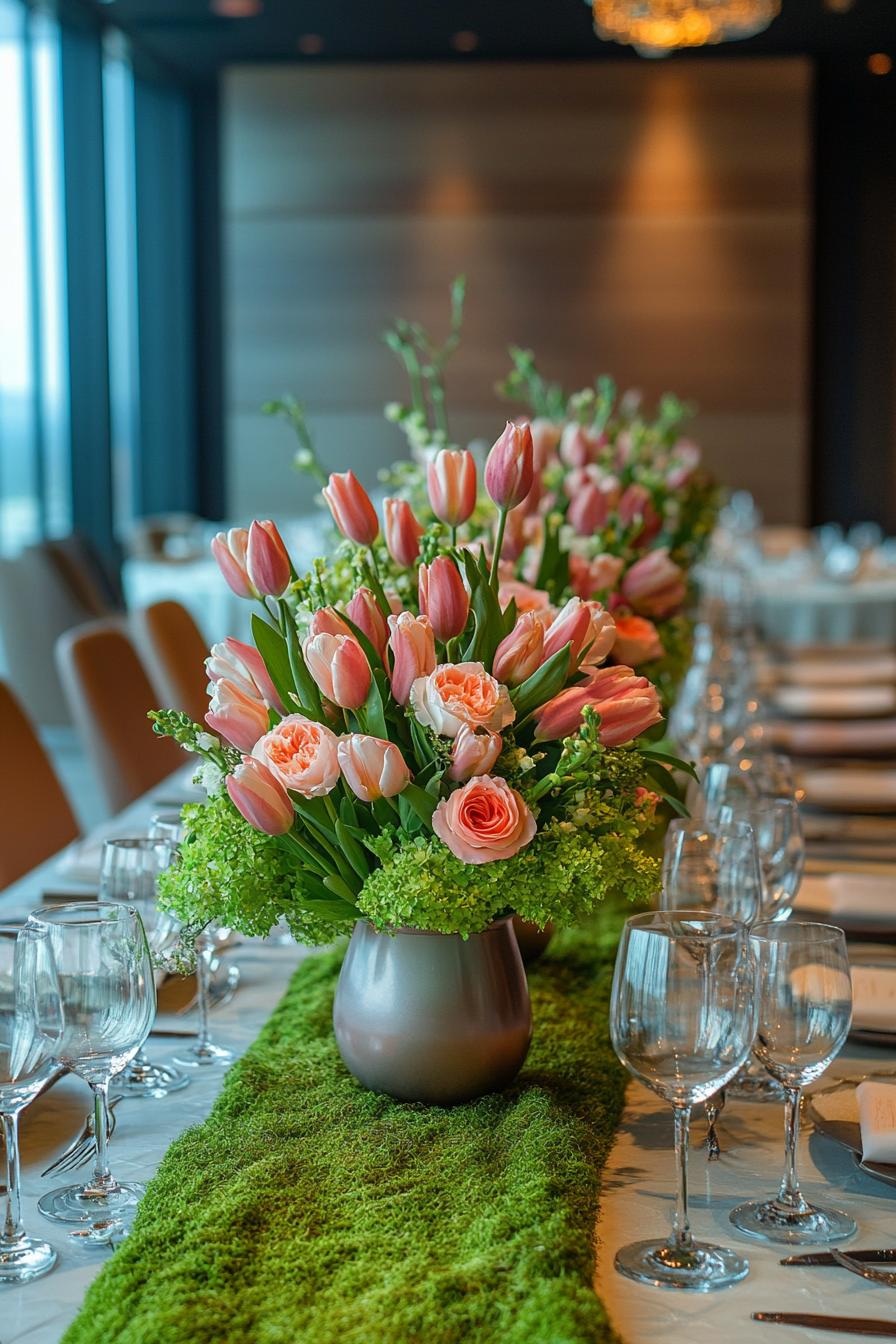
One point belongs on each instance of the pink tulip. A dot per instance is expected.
(229, 549)
(243, 665)
(578, 445)
(509, 470)
(637, 641)
(521, 652)
(339, 667)
(587, 577)
(654, 586)
(627, 704)
(601, 636)
(351, 508)
(373, 768)
(268, 560)
(443, 597)
(365, 612)
(545, 441)
(569, 626)
(403, 532)
(260, 798)
(451, 480)
(473, 753)
(588, 511)
(685, 460)
(636, 503)
(413, 644)
(328, 621)
(236, 715)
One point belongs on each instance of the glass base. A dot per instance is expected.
(770, 1220)
(699, 1269)
(201, 1056)
(87, 1204)
(25, 1259)
(149, 1080)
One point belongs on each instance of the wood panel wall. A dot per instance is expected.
(644, 219)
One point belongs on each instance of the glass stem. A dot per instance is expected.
(790, 1193)
(102, 1176)
(12, 1222)
(681, 1227)
(203, 968)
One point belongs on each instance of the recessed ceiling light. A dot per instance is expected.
(236, 9)
(465, 40)
(310, 44)
(839, 6)
(879, 63)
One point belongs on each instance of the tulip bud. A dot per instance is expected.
(521, 652)
(627, 704)
(569, 626)
(229, 549)
(351, 508)
(236, 714)
(509, 470)
(365, 612)
(260, 798)
(403, 532)
(654, 586)
(413, 645)
(268, 560)
(637, 641)
(328, 621)
(339, 667)
(473, 753)
(244, 666)
(443, 597)
(451, 480)
(372, 768)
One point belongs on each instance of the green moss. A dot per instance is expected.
(307, 1210)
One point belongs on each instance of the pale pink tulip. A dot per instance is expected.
(413, 644)
(229, 549)
(484, 821)
(588, 510)
(636, 504)
(350, 505)
(340, 668)
(570, 626)
(509, 470)
(627, 704)
(601, 636)
(579, 445)
(637, 641)
(260, 798)
(328, 621)
(236, 715)
(268, 560)
(243, 664)
(587, 577)
(654, 586)
(301, 754)
(371, 767)
(474, 753)
(545, 441)
(521, 652)
(451, 480)
(443, 597)
(403, 532)
(364, 611)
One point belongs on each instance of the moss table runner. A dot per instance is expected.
(306, 1210)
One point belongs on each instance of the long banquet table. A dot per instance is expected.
(638, 1187)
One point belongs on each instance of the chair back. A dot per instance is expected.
(36, 819)
(174, 652)
(109, 696)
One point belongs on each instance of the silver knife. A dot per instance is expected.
(847, 1325)
(883, 1257)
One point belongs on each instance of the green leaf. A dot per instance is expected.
(422, 745)
(510, 614)
(353, 851)
(410, 821)
(272, 647)
(422, 802)
(487, 614)
(319, 900)
(543, 684)
(339, 888)
(666, 757)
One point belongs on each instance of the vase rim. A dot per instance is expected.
(436, 933)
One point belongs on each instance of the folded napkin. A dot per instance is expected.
(860, 737)
(852, 897)
(851, 788)
(835, 701)
(828, 672)
(877, 1120)
(874, 998)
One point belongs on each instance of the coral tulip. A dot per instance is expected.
(601, 636)
(588, 510)
(403, 532)
(509, 470)
(637, 641)
(236, 714)
(328, 621)
(364, 611)
(243, 664)
(443, 597)
(636, 503)
(350, 505)
(654, 586)
(268, 560)
(339, 667)
(627, 704)
(521, 652)
(451, 480)
(372, 768)
(569, 626)
(260, 798)
(413, 644)
(229, 549)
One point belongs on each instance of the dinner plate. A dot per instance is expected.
(836, 702)
(834, 1112)
(850, 789)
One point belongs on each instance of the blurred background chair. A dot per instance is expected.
(36, 819)
(109, 696)
(174, 652)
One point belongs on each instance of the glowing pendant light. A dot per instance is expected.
(656, 27)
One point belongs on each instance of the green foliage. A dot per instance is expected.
(307, 1210)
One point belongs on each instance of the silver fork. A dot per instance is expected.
(882, 1276)
(82, 1148)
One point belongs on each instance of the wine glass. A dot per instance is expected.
(167, 826)
(722, 783)
(105, 985)
(805, 1006)
(27, 1064)
(205, 1052)
(713, 868)
(782, 853)
(682, 1020)
(129, 873)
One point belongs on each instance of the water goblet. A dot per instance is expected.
(205, 1052)
(104, 983)
(682, 1020)
(129, 873)
(27, 1064)
(167, 826)
(805, 1004)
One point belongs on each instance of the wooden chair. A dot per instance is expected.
(36, 819)
(110, 695)
(174, 653)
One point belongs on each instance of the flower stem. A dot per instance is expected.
(499, 544)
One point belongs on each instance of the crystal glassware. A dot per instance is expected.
(205, 1052)
(27, 1064)
(805, 1005)
(105, 986)
(167, 826)
(129, 873)
(682, 1020)
(713, 868)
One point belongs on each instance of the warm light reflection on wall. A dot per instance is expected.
(666, 169)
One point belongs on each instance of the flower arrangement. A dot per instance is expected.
(436, 747)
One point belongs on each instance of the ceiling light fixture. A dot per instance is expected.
(656, 27)
(236, 9)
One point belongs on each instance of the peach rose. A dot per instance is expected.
(301, 754)
(461, 693)
(484, 821)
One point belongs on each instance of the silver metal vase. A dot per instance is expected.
(433, 1017)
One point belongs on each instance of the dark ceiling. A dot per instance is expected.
(189, 36)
